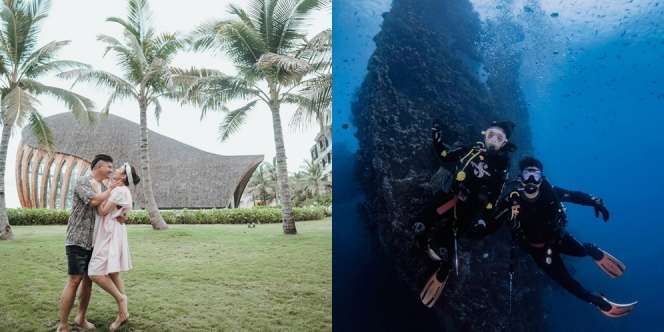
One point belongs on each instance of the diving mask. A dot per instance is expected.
(495, 138)
(531, 175)
(531, 178)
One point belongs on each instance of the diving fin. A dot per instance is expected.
(617, 309)
(433, 255)
(432, 290)
(611, 265)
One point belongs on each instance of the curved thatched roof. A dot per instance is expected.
(183, 176)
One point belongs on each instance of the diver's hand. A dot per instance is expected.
(479, 224)
(600, 208)
(436, 132)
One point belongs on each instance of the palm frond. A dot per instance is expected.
(283, 63)
(288, 22)
(38, 8)
(240, 41)
(128, 56)
(321, 41)
(166, 46)
(139, 17)
(17, 105)
(205, 37)
(113, 44)
(191, 75)
(42, 55)
(234, 120)
(157, 109)
(210, 89)
(126, 25)
(317, 51)
(115, 96)
(101, 78)
(156, 69)
(260, 13)
(41, 131)
(79, 105)
(242, 15)
(19, 30)
(136, 64)
(184, 84)
(314, 101)
(53, 66)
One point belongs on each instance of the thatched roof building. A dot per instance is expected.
(183, 176)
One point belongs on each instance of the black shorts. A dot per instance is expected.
(78, 260)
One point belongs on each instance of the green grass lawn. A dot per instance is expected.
(188, 278)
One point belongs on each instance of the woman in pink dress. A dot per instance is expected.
(110, 255)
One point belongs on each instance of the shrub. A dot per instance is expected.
(260, 215)
(37, 217)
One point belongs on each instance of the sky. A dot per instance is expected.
(81, 21)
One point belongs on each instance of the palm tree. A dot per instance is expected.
(267, 46)
(298, 188)
(145, 60)
(312, 178)
(22, 64)
(263, 183)
(314, 99)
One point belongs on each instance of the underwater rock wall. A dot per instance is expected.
(428, 65)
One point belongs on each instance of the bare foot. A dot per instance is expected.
(123, 315)
(84, 323)
(118, 323)
(62, 327)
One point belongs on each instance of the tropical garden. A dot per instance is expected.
(277, 61)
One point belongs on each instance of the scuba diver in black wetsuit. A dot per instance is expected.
(535, 211)
(481, 171)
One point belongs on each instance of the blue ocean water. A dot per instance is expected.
(593, 79)
(597, 126)
(367, 295)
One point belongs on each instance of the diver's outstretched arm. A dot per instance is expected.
(444, 151)
(575, 197)
(581, 198)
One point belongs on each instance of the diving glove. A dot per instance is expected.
(600, 209)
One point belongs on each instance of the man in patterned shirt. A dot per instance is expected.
(89, 193)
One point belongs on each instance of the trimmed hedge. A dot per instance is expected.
(261, 215)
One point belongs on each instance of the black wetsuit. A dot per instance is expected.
(472, 197)
(539, 227)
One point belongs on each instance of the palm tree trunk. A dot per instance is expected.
(277, 199)
(153, 211)
(282, 169)
(6, 232)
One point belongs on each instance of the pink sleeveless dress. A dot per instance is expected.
(111, 248)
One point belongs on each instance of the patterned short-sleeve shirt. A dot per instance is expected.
(81, 224)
